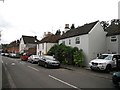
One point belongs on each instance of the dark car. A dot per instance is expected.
(48, 61)
(116, 78)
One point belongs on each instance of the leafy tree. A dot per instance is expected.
(104, 24)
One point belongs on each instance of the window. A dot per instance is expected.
(63, 42)
(77, 40)
(113, 39)
(43, 46)
(69, 41)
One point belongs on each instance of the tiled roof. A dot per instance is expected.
(14, 44)
(113, 29)
(50, 39)
(30, 39)
(85, 29)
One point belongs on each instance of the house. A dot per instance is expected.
(28, 44)
(113, 38)
(13, 47)
(91, 38)
(47, 42)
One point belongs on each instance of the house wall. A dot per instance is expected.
(49, 45)
(112, 47)
(44, 47)
(119, 44)
(22, 45)
(119, 10)
(39, 49)
(83, 44)
(97, 41)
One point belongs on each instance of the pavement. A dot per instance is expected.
(100, 74)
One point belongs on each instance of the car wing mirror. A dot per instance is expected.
(114, 59)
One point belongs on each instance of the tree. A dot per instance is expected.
(104, 24)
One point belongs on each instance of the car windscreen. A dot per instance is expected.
(106, 57)
(49, 58)
(36, 57)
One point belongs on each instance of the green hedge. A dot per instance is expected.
(67, 55)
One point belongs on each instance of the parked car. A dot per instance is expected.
(33, 58)
(116, 78)
(6, 54)
(48, 61)
(3, 54)
(104, 62)
(24, 57)
(14, 55)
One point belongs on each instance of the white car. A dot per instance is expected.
(33, 58)
(104, 62)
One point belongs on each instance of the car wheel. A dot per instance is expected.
(46, 65)
(91, 68)
(38, 63)
(108, 68)
(32, 61)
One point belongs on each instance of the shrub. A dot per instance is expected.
(78, 58)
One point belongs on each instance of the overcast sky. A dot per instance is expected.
(34, 17)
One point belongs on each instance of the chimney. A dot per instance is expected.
(66, 27)
(35, 37)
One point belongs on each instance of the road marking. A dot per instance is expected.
(13, 64)
(2, 61)
(33, 68)
(63, 81)
(22, 62)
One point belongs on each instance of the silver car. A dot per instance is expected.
(33, 59)
(48, 61)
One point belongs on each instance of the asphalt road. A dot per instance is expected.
(22, 74)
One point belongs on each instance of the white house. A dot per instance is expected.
(46, 43)
(91, 38)
(27, 43)
(113, 38)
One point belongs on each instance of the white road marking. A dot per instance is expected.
(33, 68)
(13, 64)
(22, 62)
(63, 81)
(2, 61)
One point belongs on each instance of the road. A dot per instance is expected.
(22, 74)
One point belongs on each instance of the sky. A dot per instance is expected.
(34, 17)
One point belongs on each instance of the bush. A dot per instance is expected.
(67, 54)
(78, 58)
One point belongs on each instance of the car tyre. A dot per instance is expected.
(32, 62)
(46, 65)
(108, 68)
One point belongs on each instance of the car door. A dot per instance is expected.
(42, 60)
(115, 57)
